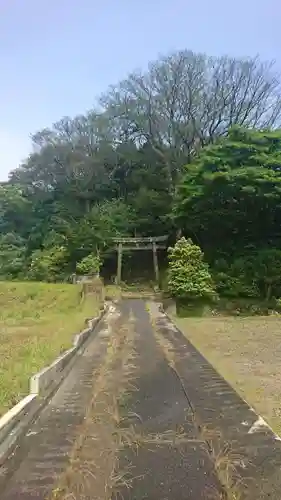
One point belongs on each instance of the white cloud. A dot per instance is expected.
(14, 148)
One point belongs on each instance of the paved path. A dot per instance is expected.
(143, 415)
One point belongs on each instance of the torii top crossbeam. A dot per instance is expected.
(144, 239)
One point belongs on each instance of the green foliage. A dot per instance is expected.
(235, 280)
(266, 268)
(189, 276)
(12, 256)
(232, 194)
(257, 274)
(14, 210)
(89, 265)
(119, 171)
(96, 229)
(48, 264)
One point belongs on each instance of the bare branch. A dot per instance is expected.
(187, 99)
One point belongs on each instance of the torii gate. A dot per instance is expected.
(146, 243)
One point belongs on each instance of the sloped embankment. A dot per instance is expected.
(37, 323)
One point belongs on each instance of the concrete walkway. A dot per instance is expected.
(143, 415)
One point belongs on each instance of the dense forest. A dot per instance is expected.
(192, 146)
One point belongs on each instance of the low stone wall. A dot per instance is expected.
(94, 286)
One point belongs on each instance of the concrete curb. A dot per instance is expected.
(41, 386)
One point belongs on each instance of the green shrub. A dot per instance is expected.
(257, 275)
(267, 271)
(12, 256)
(189, 278)
(235, 280)
(48, 264)
(89, 265)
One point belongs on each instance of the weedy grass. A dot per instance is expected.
(227, 465)
(94, 464)
(37, 323)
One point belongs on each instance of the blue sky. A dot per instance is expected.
(56, 56)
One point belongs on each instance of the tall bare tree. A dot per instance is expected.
(186, 100)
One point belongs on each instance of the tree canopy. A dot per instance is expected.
(231, 193)
(193, 144)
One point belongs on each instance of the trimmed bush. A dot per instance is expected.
(189, 277)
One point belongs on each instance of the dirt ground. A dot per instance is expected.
(247, 353)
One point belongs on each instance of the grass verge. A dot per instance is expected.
(37, 323)
(247, 353)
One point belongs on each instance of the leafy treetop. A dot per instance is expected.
(231, 193)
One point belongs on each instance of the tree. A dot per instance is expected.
(49, 264)
(119, 169)
(266, 270)
(60, 189)
(14, 210)
(231, 194)
(236, 278)
(12, 256)
(189, 277)
(186, 100)
(94, 232)
(147, 187)
(89, 265)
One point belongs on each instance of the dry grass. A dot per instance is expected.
(227, 465)
(37, 323)
(94, 465)
(247, 353)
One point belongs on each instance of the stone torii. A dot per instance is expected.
(145, 243)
